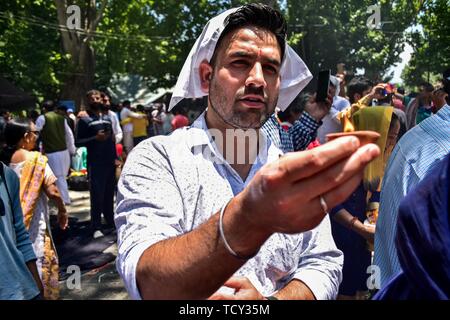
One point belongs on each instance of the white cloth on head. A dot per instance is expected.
(336, 83)
(295, 75)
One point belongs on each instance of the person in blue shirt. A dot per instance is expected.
(423, 241)
(419, 150)
(19, 277)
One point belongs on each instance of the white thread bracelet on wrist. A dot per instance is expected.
(222, 236)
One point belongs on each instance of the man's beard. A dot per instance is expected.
(249, 119)
(96, 106)
(105, 108)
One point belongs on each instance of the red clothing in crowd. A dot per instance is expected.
(313, 144)
(179, 121)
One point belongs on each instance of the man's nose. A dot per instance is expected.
(256, 76)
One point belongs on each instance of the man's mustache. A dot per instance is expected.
(251, 90)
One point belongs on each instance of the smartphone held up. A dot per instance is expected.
(323, 84)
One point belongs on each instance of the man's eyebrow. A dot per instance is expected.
(244, 54)
(241, 54)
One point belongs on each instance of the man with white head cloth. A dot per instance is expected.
(192, 220)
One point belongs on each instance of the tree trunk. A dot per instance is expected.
(76, 43)
(81, 79)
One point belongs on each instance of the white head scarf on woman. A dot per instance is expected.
(295, 75)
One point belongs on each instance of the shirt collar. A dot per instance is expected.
(199, 135)
(445, 111)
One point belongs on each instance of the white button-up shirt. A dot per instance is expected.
(170, 186)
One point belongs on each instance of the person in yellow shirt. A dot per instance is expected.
(140, 126)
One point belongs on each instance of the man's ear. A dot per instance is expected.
(205, 71)
(356, 97)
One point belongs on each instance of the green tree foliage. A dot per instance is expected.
(152, 38)
(146, 37)
(326, 33)
(30, 53)
(431, 44)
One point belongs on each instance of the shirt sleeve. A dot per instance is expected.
(134, 115)
(320, 265)
(398, 178)
(149, 209)
(304, 131)
(70, 141)
(40, 123)
(22, 237)
(117, 130)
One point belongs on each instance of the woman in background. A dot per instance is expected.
(351, 234)
(37, 185)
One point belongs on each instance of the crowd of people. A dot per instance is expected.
(42, 149)
(300, 217)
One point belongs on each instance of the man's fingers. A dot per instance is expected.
(337, 174)
(339, 195)
(237, 283)
(222, 296)
(331, 199)
(299, 165)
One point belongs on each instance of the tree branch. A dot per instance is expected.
(94, 24)
(99, 15)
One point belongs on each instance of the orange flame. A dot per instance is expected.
(348, 126)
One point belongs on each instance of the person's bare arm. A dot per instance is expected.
(195, 265)
(374, 94)
(53, 193)
(135, 115)
(31, 265)
(244, 290)
(157, 120)
(318, 110)
(295, 290)
(346, 219)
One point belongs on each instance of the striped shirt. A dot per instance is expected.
(298, 137)
(412, 159)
